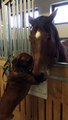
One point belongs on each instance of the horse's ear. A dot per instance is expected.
(52, 16)
(31, 20)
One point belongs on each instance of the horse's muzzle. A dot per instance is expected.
(41, 77)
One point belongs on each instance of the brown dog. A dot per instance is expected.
(19, 82)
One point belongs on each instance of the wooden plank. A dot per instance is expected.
(0, 82)
(41, 108)
(28, 108)
(22, 112)
(49, 108)
(65, 112)
(19, 112)
(2, 62)
(59, 71)
(34, 107)
(17, 115)
(65, 92)
(55, 88)
(57, 109)
(65, 100)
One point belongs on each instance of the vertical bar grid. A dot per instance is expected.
(18, 35)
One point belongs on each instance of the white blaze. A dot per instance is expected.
(38, 34)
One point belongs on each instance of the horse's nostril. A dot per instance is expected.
(40, 77)
(41, 74)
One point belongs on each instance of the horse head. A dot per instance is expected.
(44, 48)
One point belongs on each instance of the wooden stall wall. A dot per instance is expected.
(55, 107)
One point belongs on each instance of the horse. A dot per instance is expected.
(47, 49)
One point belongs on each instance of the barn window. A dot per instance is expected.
(62, 12)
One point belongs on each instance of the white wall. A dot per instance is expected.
(63, 30)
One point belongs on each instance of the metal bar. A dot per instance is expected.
(4, 30)
(21, 25)
(1, 45)
(25, 32)
(28, 30)
(17, 16)
(24, 13)
(21, 21)
(14, 28)
(9, 29)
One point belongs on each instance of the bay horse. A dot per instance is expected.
(47, 48)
